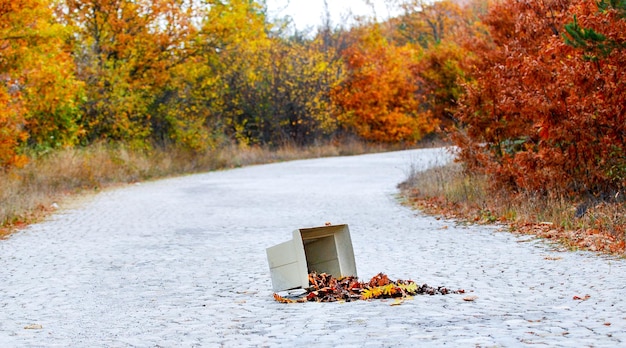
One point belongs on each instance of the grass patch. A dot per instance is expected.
(451, 192)
(30, 193)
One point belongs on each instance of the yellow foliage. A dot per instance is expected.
(389, 289)
(410, 288)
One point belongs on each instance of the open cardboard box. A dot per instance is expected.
(325, 249)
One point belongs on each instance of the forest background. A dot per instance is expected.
(531, 92)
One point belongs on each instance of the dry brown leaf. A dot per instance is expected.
(552, 258)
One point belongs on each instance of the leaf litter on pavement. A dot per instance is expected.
(326, 288)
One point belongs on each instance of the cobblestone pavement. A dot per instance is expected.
(181, 263)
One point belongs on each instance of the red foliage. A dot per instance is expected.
(542, 116)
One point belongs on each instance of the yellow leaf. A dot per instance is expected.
(389, 289)
(410, 288)
(397, 302)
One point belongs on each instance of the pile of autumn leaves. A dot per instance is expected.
(326, 288)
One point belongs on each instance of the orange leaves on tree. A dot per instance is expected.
(442, 70)
(10, 134)
(125, 50)
(542, 115)
(379, 98)
(38, 91)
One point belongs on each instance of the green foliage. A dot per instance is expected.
(595, 45)
(578, 37)
(587, 39)
(607, 5)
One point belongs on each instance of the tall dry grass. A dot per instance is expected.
(27, 194)
(450, 191)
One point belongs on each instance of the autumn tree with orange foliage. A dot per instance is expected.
(440, 28)
(546, 111)
(442, 71)
(379, 98)
(39, 94)
(124, 52)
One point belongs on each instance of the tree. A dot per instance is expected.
(302, 74)
(542, 116)
(442, 71)
(442, 29)
(429, 23)
(39, 94)
(124, 50)
(218, 92)
(379, 98)
(250, 83)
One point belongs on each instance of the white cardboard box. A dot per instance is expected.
(325, 249)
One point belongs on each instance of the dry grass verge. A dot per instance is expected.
(30, 193)
(450, 192)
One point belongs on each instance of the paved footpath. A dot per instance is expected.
(181, 263)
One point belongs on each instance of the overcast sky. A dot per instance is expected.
(307, 13)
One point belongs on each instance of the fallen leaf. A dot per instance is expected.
(326, 288)
(397, 302)
(585, 298)
(552, 258)
(470, 298)
(33, 327)
(281, 299)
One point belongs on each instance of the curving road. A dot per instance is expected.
(181, 263)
